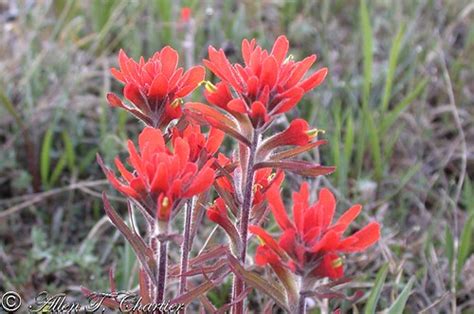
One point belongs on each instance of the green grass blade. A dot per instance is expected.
(5, 101)
(88, 159)
(395, 113)
(349, 137)
(367, 44)
(392, 66)
(465, 242)
(399, 305)
(69, 151)
(164, 11)
(374, 142)
(374, 296)
(468, 195)
(449, 246)
(45, 159)
(58, 170)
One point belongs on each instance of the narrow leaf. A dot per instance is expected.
(395, 113)
(264, 285)
(371, 304)
(399, 305)
(300, 167)
(58, 170)
(143, 252)
(69, 151)
(465, 242)
(296, 151)
(392, 65)
(45, 161)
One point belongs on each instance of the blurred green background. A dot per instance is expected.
(397, 107)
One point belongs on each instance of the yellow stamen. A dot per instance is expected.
(257, 187)
(165, 202)
(314, 132)
(337, 263)
(272, 176)
(177, 102)
(260, 240)
(211, 88)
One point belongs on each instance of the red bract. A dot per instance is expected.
(198, 143)
(185, 14)
(264, 179)
(310, 244)
(160, 176)
(266, 85)
(155, 87)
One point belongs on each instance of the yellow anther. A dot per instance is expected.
(272, 176)
(314, 132)
(165, 202)
(211, 88)
(289, 58)
(260, 240)
(177, 102)
(257, 187)
(337, 263)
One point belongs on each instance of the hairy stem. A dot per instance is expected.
(244, 217)
(162, 265)
(302, 303)
(186, 246)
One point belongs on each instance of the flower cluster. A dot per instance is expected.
(155, 88)
(267, 84)
(311, 243)
(176, 166)
(162, 176)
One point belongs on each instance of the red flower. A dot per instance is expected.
(155, 87)
(217, 213)
(185, 14)
(198, 142)
(311, 243)
(160, 176)
(267, 85)
(265, 178)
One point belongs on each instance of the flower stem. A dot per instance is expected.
(244, 217)
(302, 304)
(186, 247)
(302, 296)
(162, 265)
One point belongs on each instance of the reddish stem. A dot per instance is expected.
(186, 247)
(302, 304)
(162, 267)
(244, 218)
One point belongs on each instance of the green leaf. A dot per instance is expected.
(399, 305)
(45, 159)
(5, 101)
(87, 160)
(465, 242)
(142, 251)
(367, 44)
(392, 65)
(395, 113)
(58, 170)
(374, 142)
(449, 246)
(69, 151)
(374, 296)
(349, 137)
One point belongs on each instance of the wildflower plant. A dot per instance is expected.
(178, 167)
